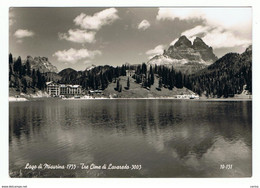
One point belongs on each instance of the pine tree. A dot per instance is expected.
(18, 66)
(39, 80)
(152, 75)
(33, 78)
(10, 58)
(24, 83)
(28, 68)
(10, 72)
(117, 84)
(144, 68)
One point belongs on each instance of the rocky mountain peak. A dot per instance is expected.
(183, 42)
(198, 43)
(184, 54)
(42, 64)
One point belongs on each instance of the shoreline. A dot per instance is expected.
(22, 99)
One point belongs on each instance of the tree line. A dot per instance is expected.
(21, 77)
(225, 78)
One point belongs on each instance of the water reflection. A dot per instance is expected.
(169, 138)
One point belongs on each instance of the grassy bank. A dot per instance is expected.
(137, 91)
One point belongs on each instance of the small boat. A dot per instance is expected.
(76, 97)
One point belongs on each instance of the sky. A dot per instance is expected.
(80, 37)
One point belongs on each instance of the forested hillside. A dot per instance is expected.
(224, 78)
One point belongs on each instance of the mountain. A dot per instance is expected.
(186, 56)
(69, 75)
(226, 77)
(42, 64)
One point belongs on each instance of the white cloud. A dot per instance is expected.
(166, 60)
(220, 27)
(73, 55)
(78, 36)
(22, 33)
(181, 13)
(221, 38)
(196, 31)
(227, 17)
(144, 25)
(157, 50)
(99, 19)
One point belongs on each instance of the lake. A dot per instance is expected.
(163, 138)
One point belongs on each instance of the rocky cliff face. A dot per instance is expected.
(184, 53)
(42, 64)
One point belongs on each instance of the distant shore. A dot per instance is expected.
(24, 99)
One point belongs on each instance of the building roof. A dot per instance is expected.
(62, 85)
(48, 83)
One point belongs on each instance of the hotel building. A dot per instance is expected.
(54, 89)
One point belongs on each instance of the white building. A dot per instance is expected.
(54, 89)
(187, 96)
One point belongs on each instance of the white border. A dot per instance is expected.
(124, 182)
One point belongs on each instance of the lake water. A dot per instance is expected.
(168, 138)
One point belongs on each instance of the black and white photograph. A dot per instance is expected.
(133, 92)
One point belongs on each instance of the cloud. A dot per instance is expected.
(180, 13)
(78, 36)
(99, 19)
(144, 25)
(157, 50)
(73, 55)
(22, 33)
(221, 38)
(219, 27)
(166, 60)
(196, 31)
(227, 17)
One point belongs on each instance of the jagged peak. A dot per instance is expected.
(183, 41)
(198, 40)
(199, 43)
(41, 63)
(41, 58)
